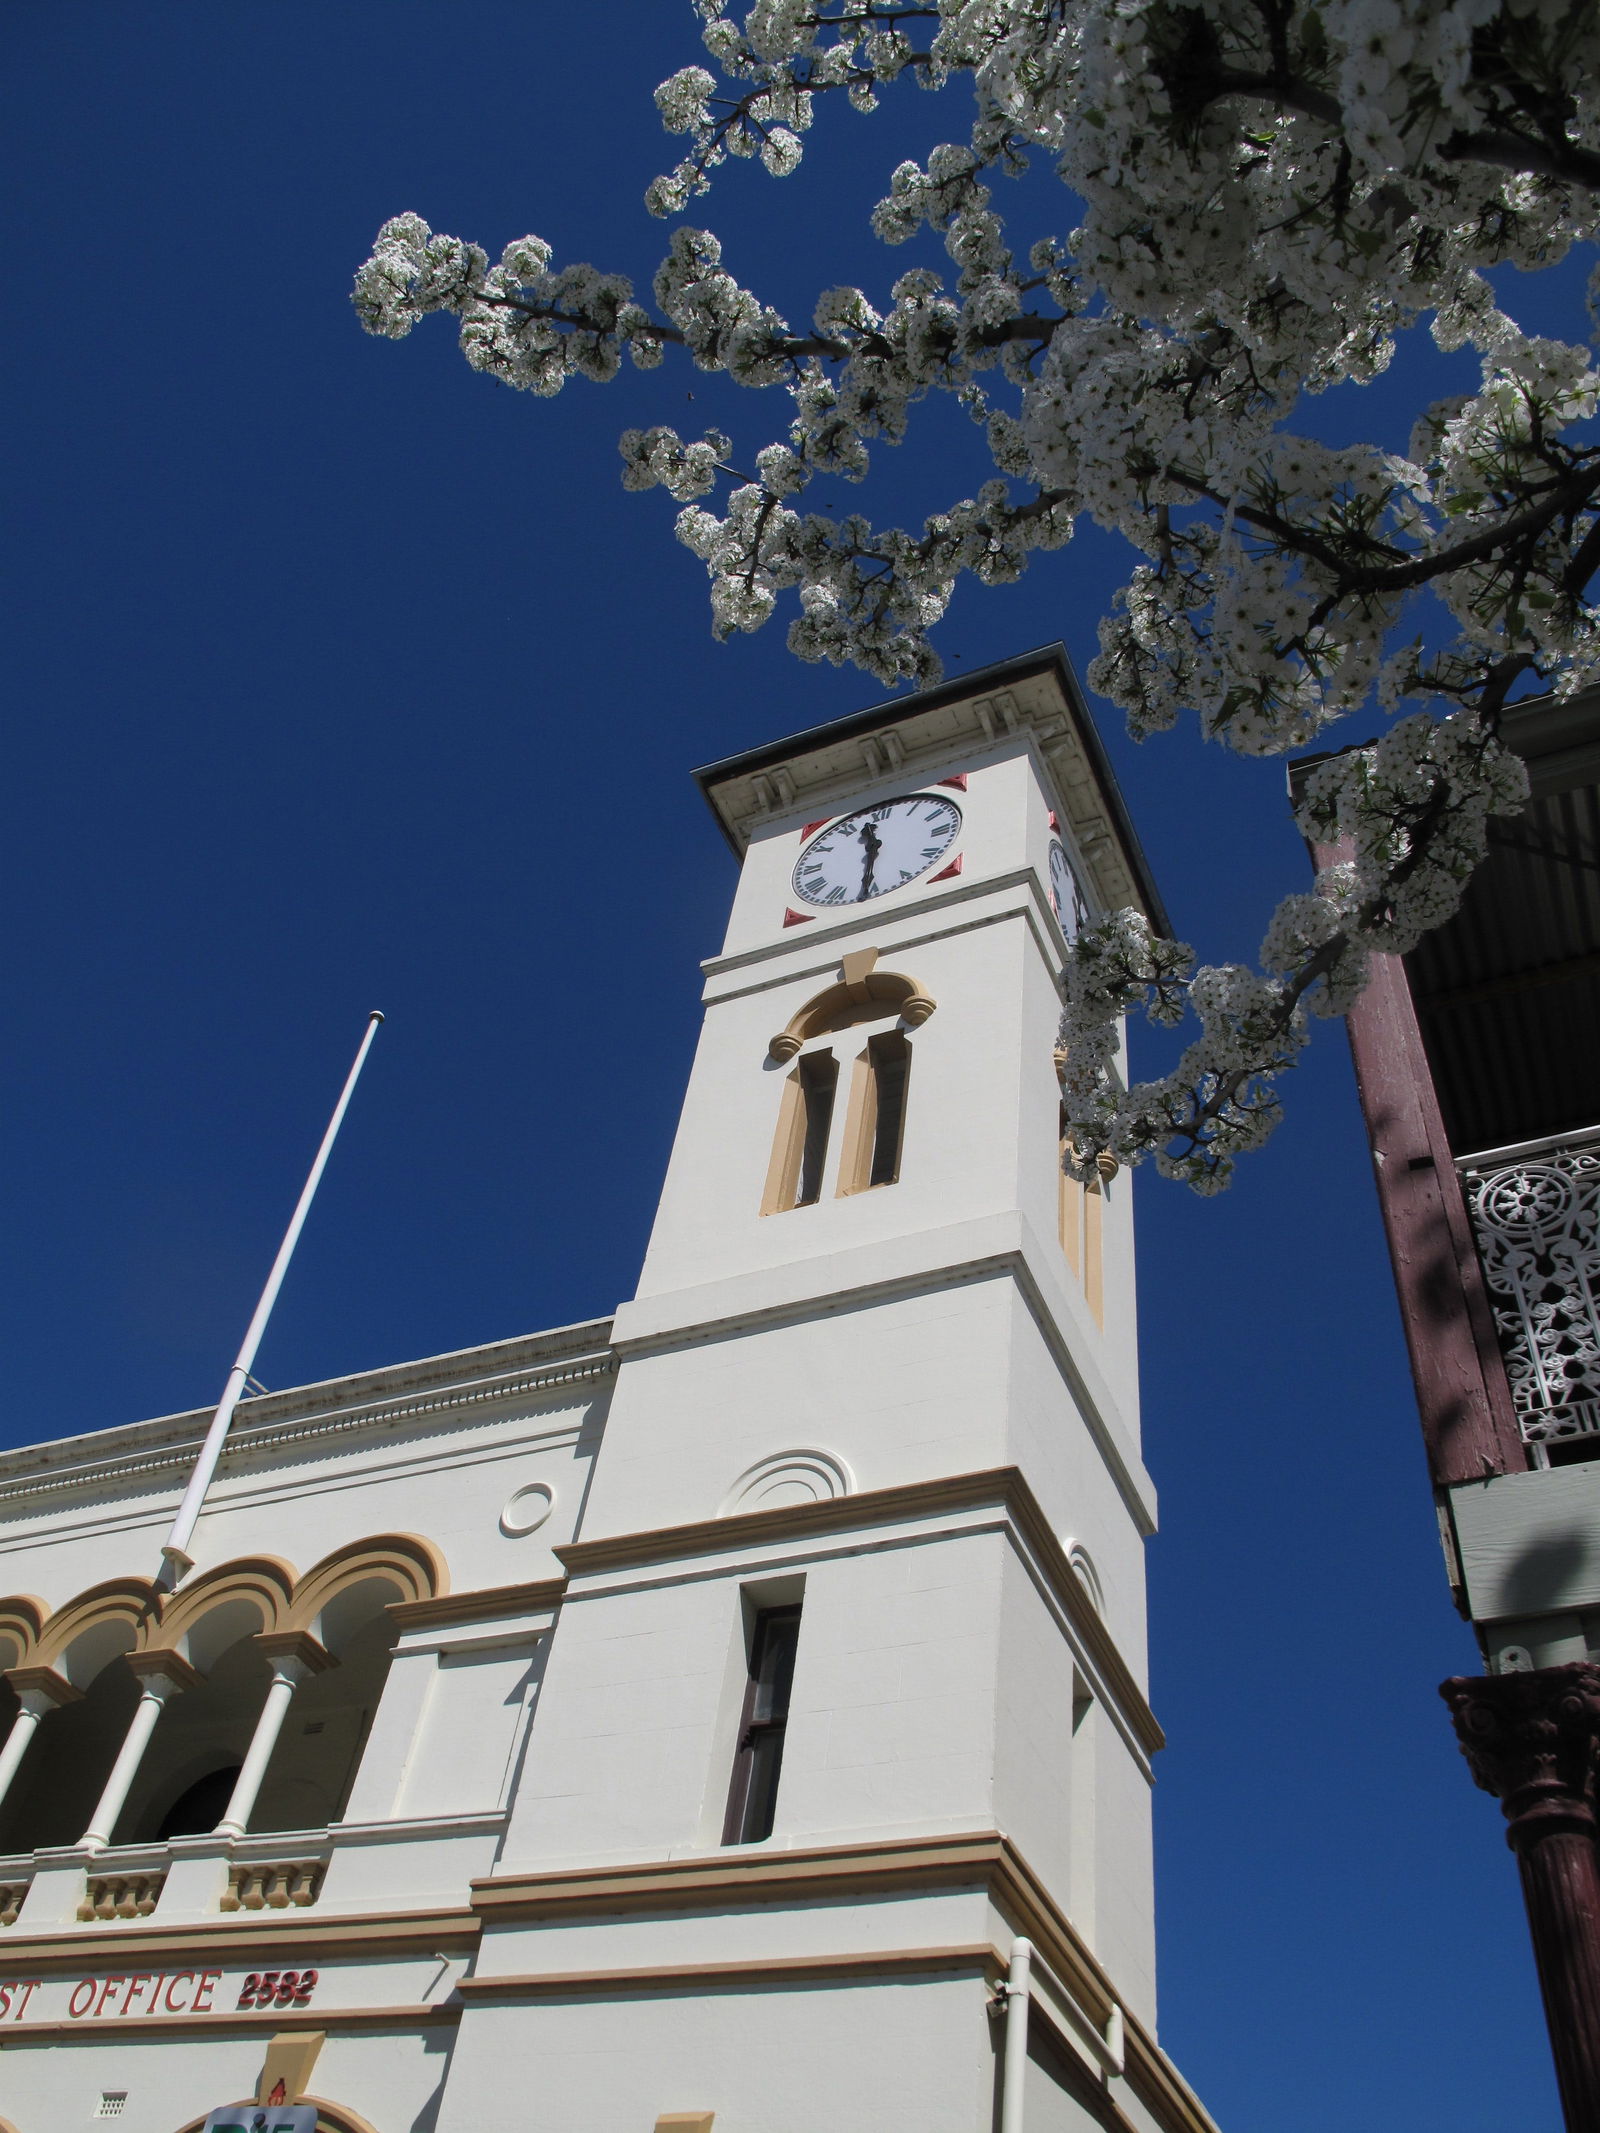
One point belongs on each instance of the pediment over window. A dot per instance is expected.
(863, 994)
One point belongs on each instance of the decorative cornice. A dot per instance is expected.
(1003, 1487)
(719, 1882)
(752, 1973)
(715, 1880)
(177, 1452)
(222, 2022)
(245, 1937)
(490, 1603)
(1036, 694)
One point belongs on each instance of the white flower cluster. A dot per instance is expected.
(1265, 198)
(1414, 809)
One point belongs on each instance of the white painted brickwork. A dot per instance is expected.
(536, 1566)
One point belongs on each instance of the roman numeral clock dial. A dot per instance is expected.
(876, 849)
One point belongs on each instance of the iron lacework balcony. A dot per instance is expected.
(1536, 1216)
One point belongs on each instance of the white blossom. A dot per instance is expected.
(1263, 200)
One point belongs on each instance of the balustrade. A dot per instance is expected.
(273, 1884)
(1536, 1216)
(134, 1895)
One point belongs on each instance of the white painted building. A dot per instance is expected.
(685, 1714)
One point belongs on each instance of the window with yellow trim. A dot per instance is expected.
(1081, 1214)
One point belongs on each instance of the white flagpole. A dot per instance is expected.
(176, 1546)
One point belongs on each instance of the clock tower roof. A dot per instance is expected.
(1035, 692)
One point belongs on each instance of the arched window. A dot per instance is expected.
(314, 1763)
(200, 1739)
(186, 1776)
(874, 1126)
(805, 1122)
(344, 1604)
(80, 1651)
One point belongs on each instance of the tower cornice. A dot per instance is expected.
(1036, 694)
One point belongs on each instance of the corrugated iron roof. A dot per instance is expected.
(1508, 993)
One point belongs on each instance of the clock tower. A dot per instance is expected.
(837, 1806)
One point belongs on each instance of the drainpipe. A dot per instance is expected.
(1016, 2044)
(1109, 2045)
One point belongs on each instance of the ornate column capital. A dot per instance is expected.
(1533, 1740)
(41, 1688)
(294, 1653)
(162, 1672)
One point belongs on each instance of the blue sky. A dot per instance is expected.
(339, 677)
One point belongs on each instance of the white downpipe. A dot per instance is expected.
(1109, 2045)
(155, 1689)
(176, 1546)
(1116, 2051)
(35, 1703)
(1014, 2077)
(287, 1675)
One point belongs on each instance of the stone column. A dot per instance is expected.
(1533, 1740)
(294, 1657)
(161, 1675)
(39, 1690)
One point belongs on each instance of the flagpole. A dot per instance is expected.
(176, 1546)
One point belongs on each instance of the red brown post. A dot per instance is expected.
(1468, 1422)
(1533, 1740)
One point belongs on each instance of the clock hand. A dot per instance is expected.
(871, 845)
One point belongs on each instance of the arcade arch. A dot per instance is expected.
(331, 2118)
(245, 1643)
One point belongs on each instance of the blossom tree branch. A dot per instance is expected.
(1267, 193)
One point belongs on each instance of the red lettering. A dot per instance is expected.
(308, 1979)
(5, 2000)
(28, 1991)
(176, 1979)
(136, 1986)
(155, 1993)
(106, 1990)
(84, 1985)
(209, 1981)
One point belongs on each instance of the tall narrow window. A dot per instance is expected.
(800, 1150)
(819, 1078)
(876, 1126)
(1081, 1211)
(1070, 1204)
(753, 1795)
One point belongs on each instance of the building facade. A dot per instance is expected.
(733, 1710)
(1478, 1062)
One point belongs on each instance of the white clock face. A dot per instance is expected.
(1065, 893)
(876, 849)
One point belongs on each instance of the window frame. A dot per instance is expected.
(759, 1748)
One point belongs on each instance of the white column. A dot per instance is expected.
(35, 1704)
(288, 1672)
(156, 1685)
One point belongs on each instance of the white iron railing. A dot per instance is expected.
(1536, 1215)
